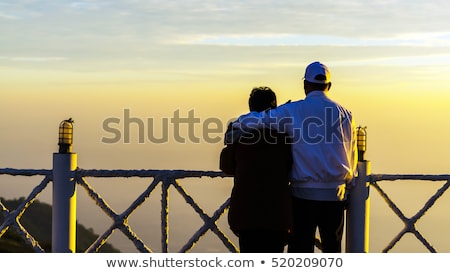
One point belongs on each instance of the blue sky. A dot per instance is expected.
(76, 31)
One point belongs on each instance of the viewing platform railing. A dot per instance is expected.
(170, 178)
(66, 177)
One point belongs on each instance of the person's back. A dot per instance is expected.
(260, 207)
(324, 159)
(320, 141)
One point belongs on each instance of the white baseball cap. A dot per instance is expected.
(317, 72)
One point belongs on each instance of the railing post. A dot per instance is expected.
(358, 210)
(165, 214)
(64, 193)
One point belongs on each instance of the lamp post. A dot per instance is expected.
(64, 192)
(358, 210)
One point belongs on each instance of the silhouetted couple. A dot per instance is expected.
(292, 165)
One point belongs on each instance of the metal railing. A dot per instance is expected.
(167, 178)
(12, 218)
(170, 178)
(409, 223)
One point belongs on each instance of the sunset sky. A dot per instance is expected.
(95, 60)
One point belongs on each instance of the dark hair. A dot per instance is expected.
(262, 98)
(316, 86)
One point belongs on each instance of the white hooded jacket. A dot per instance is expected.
(323, 139)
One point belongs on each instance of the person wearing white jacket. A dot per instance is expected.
(324, 151)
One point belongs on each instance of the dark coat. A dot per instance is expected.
(260, 161)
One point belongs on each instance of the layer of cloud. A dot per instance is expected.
(162, 19)
(32, 59)
(407, 39)
(153, 32)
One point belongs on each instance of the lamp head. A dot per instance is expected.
(361, 142)
(65, 136)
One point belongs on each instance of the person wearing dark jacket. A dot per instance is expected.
(260, 160)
